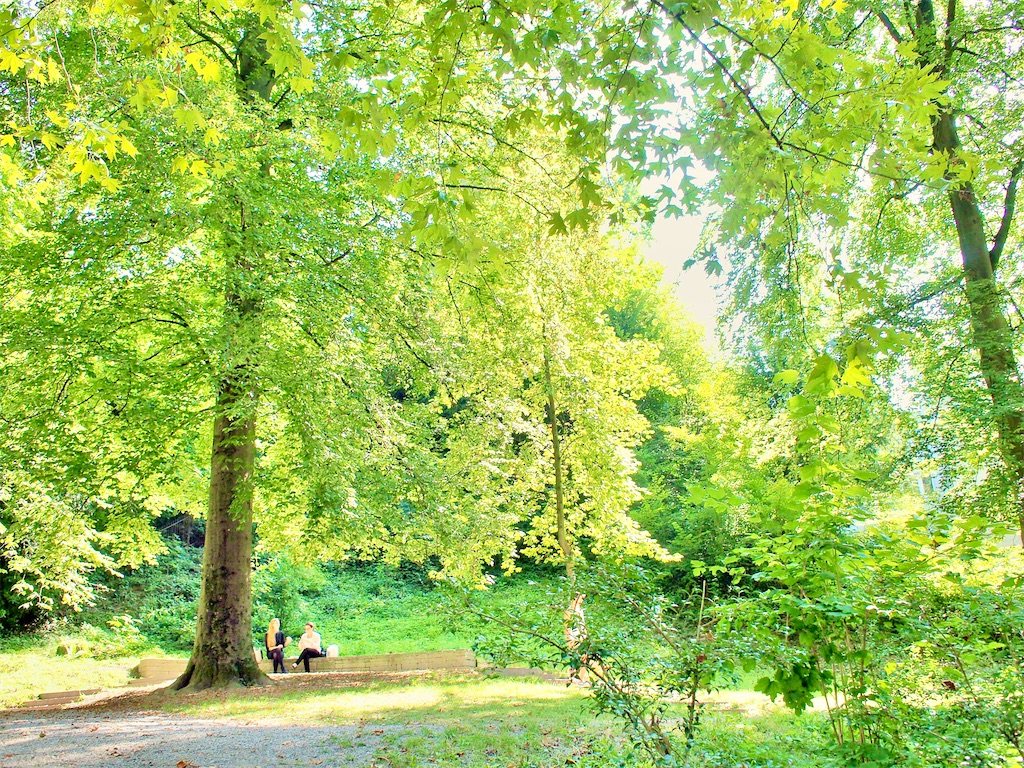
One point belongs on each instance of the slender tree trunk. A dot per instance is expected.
(991, 333)
(556, 458)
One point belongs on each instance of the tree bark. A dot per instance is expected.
(222, 654)
(556, 457)
(991, 333)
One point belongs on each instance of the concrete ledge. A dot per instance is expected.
(57, 699)
(460, 658)
(161, 669)
(69, 694)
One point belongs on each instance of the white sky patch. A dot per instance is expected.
(673, 241)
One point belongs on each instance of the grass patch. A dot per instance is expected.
(466, 720)
(772, 738)
(29, 671)
(437, 719)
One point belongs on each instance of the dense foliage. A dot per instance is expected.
(361, 282)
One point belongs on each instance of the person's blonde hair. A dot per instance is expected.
(272, 632)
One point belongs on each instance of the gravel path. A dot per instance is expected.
(71, 739)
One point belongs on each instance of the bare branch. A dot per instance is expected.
(625, 67)
(988, 60)
(744, 90)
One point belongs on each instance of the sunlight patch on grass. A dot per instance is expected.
(490, 691)
(24, 674)
(368, 704)
(750, 702)
(429, 700)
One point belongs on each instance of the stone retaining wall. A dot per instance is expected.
(461, 658)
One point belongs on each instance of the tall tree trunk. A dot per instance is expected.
(992, 338)
(556, 457)
(222, 654)
(991, 333)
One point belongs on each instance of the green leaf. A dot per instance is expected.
(788, 376)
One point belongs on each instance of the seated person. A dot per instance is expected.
(276, 642)
(309, 647)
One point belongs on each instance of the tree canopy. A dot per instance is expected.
(375, 261)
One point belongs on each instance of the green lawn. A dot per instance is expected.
(29, 671)
(467, 720)
(445, 718)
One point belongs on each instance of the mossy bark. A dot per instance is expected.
(222, 655)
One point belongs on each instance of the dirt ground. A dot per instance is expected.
(122, 730)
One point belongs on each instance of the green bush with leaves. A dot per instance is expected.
(833, 601)
(643, 655)
(120, 638)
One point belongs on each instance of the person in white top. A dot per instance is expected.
(309, 647)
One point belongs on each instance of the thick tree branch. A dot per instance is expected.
(948, 37)
(233, 60)
(1009, 204)
(331, 262)
(890, 27)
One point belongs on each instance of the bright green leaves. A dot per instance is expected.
(189, 118)
(789, 376)
(822, 375)
(330, 142)
(10, 61)
(147, 91)
(205, 66)
(198, 167)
